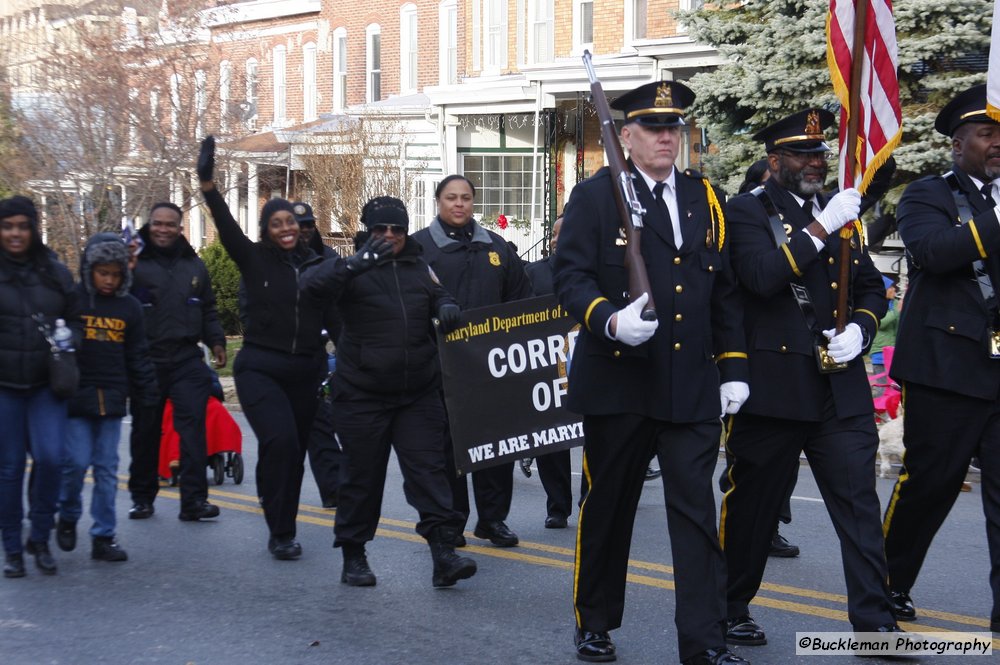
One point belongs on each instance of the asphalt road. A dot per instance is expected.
(210, 594)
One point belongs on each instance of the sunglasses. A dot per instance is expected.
(382, 229)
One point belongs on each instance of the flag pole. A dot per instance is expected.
(850, 155)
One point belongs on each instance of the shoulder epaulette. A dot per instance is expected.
(694, 173)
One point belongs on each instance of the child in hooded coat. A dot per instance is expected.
(114, 363)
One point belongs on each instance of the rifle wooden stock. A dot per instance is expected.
(629, 209)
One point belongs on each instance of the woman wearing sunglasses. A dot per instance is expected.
(387, 389)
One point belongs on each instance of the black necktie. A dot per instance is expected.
(660, 203)
(807, 208)
(987, 191)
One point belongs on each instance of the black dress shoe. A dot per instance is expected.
(460, 540)
(497, 533)
(330, 503)
(202, 510)
(356, 571)
(14, 566)
(555, 522)
(744, 631)
(594, 647)
(284, 549)
(141, 511)
(721, 656)
(66, 535)
(43, 557)
(902, 606)
(781, 547)
(652, 474)
(106, 548)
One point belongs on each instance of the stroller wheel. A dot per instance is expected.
(218, 468)
(237, 468)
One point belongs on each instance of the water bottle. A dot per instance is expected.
(62, 336)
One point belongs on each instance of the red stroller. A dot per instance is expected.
(225, 444)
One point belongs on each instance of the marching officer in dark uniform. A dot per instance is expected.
(478, 268)
(947, 354)
(786, 249)
(651, 387)
(554, 468)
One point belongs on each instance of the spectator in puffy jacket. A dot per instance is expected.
(113, 356)
(35, 290)
(386, 391)
(283, 359)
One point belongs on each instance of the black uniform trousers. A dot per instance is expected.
(187, 384)
(367, 426)
(492, 487)
(277, 391)
(554, 472)
(784, 513)
(326, 459)
(615, 457)
(942, 432)
(841, 454)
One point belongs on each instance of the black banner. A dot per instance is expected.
(505, 371)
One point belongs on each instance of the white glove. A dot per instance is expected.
(847, 345)
(841, 209)
(733, 394)
(629, 327)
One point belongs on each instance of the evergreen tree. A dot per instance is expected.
(776, 52)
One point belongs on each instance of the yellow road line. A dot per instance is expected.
(325, 517)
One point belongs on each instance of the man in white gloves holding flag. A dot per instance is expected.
(650, 388)
(810, 389)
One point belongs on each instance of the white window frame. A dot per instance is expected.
(408, 54)
(541, 20)
(133, 120)
(578, 44)
(495, 36)
(225, 79)
(687, 5)
(448, 46)
(633, 9)
(339, 69)
(175, 105)
(279, 61)
(371, 94)
(200, 102)
(252, 70)
(308, 81)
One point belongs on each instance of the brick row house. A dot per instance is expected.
(306, 94)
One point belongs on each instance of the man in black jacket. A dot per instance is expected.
(947, 356)
(173, 285)
(785, 248)
(651, 387)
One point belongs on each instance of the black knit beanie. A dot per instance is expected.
(384, 210)
(271, 207)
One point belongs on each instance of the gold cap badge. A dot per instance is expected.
(664, 97)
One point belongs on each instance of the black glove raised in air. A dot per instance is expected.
(369, 254)
(206, 160)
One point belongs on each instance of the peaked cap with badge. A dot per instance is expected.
(967, 106)
(799, 132)
(656, 104)
(303, 213)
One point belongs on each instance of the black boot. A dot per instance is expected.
(66, 535)
(448, 566)
(43, 557)
(356, 570)
(14, 566)
(105, 548)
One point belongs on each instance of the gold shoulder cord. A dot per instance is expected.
(715, 210)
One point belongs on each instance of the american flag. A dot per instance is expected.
(993, 77)
(880, 119)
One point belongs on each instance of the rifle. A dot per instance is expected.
(629, 209)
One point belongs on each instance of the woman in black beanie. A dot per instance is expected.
(283, 360)
(35, 290)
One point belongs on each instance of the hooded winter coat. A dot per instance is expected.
(36, 283)
(114, 355)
